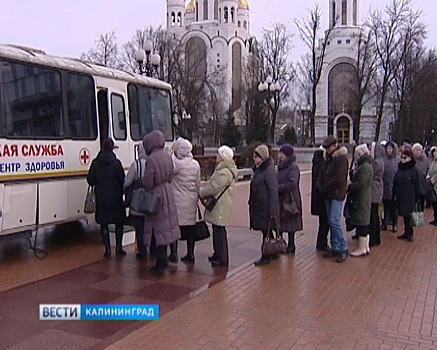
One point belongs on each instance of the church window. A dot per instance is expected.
(232, 15)
(348, 41)
(197, 11)
(239, 23)
(236, 75)
(245, 24)
(339, 42)
(215, 9)
(205, 10)
(179, 19)
(220, 17)
(195, 64)
(355, 12)
(334, 15)
(344, 12)
(173, 19)
(226, 15)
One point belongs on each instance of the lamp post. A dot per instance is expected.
(147, 62)
(269, 89)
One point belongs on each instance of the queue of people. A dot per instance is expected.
(377, 177)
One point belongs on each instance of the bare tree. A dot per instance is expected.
(365, 64)
(105, 52)
(275, 52)
(309, 33)
(394, 30)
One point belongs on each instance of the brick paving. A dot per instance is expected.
(383, 301)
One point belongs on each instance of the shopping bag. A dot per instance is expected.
(90, 201)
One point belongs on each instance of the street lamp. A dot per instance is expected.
(146, 60)
(269, 88)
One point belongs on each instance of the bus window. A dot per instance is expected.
(102, 100)
(81, 106)
(31, 101)
(118, 117)
(149, 110)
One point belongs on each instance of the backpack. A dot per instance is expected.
(138, 183)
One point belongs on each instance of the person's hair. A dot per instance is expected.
(107, 144)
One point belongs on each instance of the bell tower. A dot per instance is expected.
(344, 13)
(175, 15)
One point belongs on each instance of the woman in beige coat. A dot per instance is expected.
(222, 181)
(185, 183)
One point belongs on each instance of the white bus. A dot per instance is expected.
(54, 114)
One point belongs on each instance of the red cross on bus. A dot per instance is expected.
(84, 156)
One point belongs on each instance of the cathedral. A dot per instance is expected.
(220, 31)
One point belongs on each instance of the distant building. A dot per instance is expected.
(336, 99)
(216, 35)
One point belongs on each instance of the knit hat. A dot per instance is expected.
(226, 153)
(407, 151)
(417, 145)
(362, 149)
(182, 147)
(262, 151)
(287, 149)
(329, 141)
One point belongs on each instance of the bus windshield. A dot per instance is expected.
(149, 110)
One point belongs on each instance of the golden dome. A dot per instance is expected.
(243, 4)
(191, 6)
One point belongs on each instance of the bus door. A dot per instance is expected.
(102, 102)
(119, 126)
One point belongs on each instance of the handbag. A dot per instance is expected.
(202, 230)
(289, 210)
(138, 183)
(145, 201)
(210, 201)
(273, 245)
(417, 217)
(90, 201)
(430, 193)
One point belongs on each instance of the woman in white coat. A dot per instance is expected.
(186, 183)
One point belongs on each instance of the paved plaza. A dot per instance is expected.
(386, 300)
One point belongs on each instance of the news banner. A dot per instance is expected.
(96, 312)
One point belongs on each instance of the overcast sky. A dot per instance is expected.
(70, 27)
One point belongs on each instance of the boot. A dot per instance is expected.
(105, 237)
(118, 241)
(190, 253)
(262, 261)
(367, 244)
(161, 260)
(383, 226)
(395, 228)
(291, 248)
(173, 252)
(153, 248)
(362, 248)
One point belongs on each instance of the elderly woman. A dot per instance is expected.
(377, 153)
(422, 165)
(136, 173)
(391, 161)
(107, 175)
(263, 197)
(157, 177)
(432, 178)
(186, 183)
(289, 192)
(406, 189)
(221, 184)
(360, 190)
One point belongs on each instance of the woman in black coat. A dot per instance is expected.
(263, 197)
(407, 190)
(318, 206)
(288, 190)
(106, 174)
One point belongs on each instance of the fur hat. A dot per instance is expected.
(182, 147)
(262, 151)
(417, 145)
(407, 151)
(329, 141)
(226, 153)
(362, 149)
(432, 150)
(287, 149)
